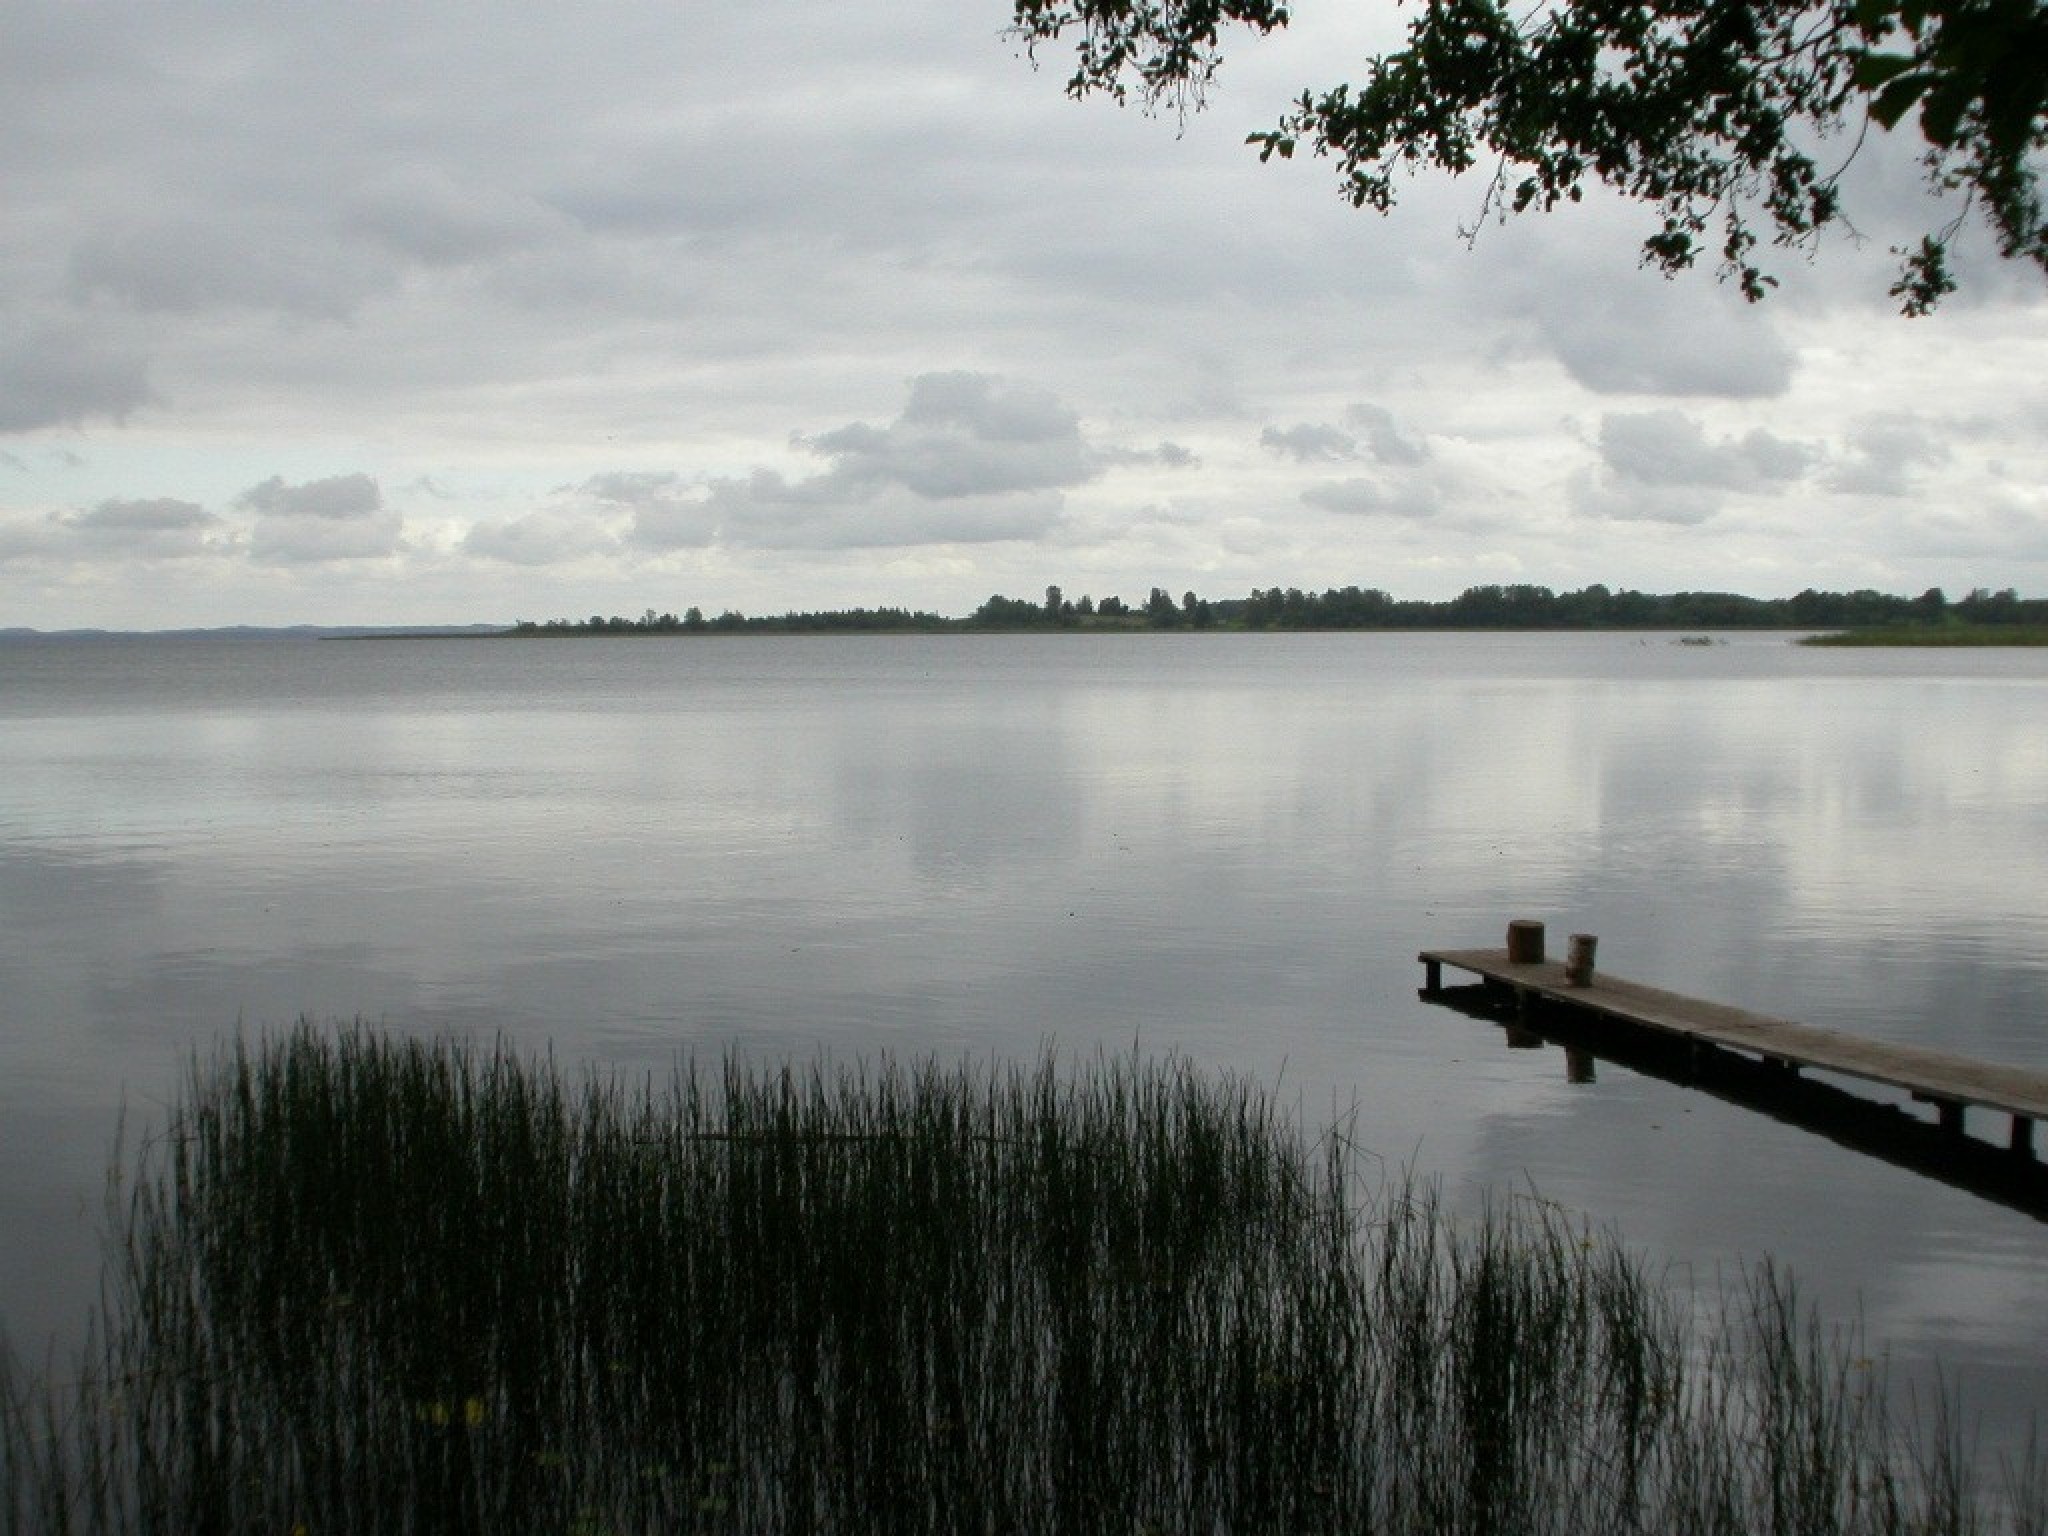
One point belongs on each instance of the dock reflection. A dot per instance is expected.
(1888, 1131)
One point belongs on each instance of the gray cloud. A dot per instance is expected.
(1610, 498)
(342, 517)
(1167, 455)
(337, 497)
(1385, 437)
(972, 459)
(1883, 454)
(30, 538)
(57, 374)
(268, 227)
(1315, 442)
(666, 513)
(1408, 499)
(1644, 335)
(546, 537)
(423, 212)
(1668, 448)
(163, 528)
(1310, 443)
(2001, 527)
(1661, 467)
(765, 511)
(283, 260)
(962, 434)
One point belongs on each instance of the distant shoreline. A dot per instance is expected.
(1863, 617)
(254, 632)
(1517, 607)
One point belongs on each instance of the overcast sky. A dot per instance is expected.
(451, 313)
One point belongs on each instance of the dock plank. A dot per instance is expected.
(1929, 1074)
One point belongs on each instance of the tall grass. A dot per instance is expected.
(1946, 634)
(375, 1286)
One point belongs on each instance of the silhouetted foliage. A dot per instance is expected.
(362, 1284)
(1722, 115)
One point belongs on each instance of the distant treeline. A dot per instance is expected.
(693, 622)
(1488, 607)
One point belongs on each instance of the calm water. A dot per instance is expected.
(1224, 846)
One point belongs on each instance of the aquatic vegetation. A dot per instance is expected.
(374, 1285)
(1935, 635)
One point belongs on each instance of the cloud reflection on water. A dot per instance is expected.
(1226, 847)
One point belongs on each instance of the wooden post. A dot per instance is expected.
(1578, 1065)
(1578, 965)
(1951, 1115)
(1525, 942)
(1432, 975)
(2022, 1141)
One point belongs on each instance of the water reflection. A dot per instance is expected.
(1988, 1155)
(1229, 847)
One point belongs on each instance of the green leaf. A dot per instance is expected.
(1874, 69)
(1943, 111)
(1893, 102)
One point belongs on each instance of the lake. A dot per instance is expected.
(1223, 847)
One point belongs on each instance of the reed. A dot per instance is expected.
(1948, 634)
(378, 1286)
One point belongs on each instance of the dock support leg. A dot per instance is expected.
(1951, 1112)
(2022, 1141)
(1432, 976)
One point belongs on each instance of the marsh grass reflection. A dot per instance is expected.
(376, 1285)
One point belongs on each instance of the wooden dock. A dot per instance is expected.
(1953, 1084)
